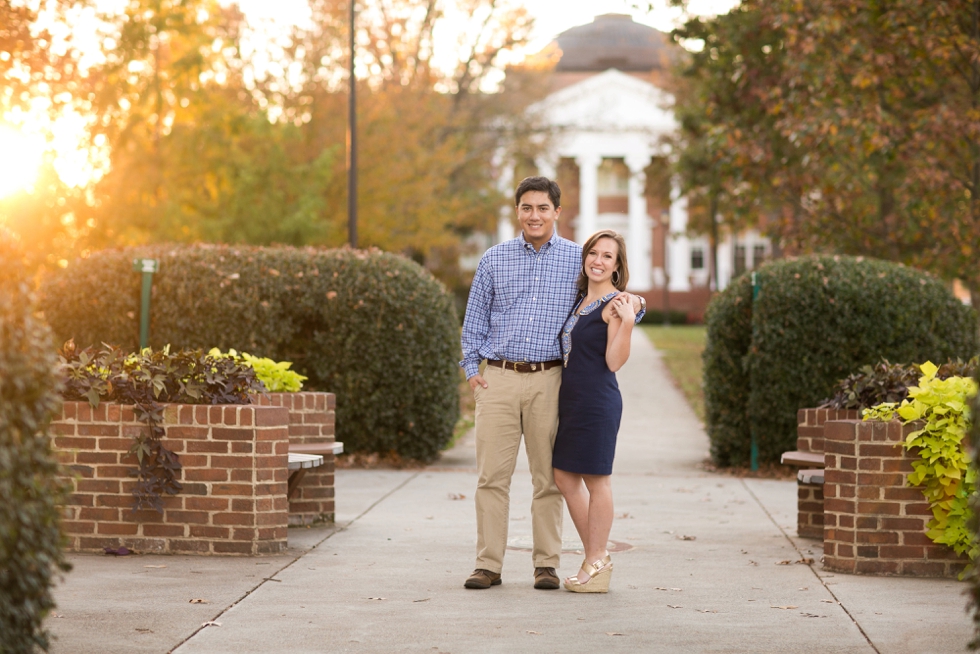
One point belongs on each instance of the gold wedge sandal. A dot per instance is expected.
(599, 571)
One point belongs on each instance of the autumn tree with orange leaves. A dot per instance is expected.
(842, 125)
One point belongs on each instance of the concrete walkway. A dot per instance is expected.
(709, 563)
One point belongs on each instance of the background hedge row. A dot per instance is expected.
(374, 328)
(816, 320)
(30, 535)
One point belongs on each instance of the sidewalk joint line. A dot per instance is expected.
(809, 565)
(271, 577)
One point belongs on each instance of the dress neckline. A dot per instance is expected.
(594, 305)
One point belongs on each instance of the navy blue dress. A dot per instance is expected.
(589, 403)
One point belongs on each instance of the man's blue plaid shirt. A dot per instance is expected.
(519, 301)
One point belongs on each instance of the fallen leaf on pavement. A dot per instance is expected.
(783, 607)
(118, 551)
(707, 611)
(828, 601)
(457, 496)
(210, 623)
(613, 633)
(533, 633)
(687, 538)
(198, 601)
(674, 607)
(154, 566)
(377, 598)
(422, 600)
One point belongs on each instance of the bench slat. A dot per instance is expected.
(803, 459)
(810, 476)
(316, 448)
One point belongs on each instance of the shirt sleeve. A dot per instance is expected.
(476, 323)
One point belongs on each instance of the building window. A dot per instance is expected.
(739, 260)
(758, 255)
(613, 178)
(697, 258)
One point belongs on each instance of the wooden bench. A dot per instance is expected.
(304, 456)
(809, 493)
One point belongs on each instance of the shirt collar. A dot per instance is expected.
(550, 243)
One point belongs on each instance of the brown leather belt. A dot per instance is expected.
(524, 367)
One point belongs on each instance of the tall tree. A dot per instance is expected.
(39, 74)
(869, 125)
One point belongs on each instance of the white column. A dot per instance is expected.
(725, 256)
(639, 238)
(588, 198)
(505, 219)
(679, 257)
(545, 168)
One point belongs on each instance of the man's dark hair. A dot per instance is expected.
(542, 184)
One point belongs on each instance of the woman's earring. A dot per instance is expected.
(615, 277)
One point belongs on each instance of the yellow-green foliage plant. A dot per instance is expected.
(275, 375)
(943, 470)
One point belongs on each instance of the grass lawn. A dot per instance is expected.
(681, 346)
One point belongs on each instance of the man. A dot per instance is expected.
(522, 293)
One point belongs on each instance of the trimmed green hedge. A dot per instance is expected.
(816, 320)
(30, 532)
(656, 317)
(374, 328)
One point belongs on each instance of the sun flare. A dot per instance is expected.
(20, 158)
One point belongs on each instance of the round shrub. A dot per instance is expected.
(30, 534)
(816, 320)
(374, 328)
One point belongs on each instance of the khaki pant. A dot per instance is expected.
(516, 403)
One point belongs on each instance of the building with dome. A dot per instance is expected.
(607, 114)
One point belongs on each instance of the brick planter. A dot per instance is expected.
(809, 438)
(311, 420)
(873, 522)
(234, 477)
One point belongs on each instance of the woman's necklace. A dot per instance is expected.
(589, 300)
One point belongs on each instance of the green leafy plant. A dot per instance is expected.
(889, 382)
(376, 329)
(274, 375)
(944, 472)
(147, 380)
(973, 576)
(815, 321)
(30, 521)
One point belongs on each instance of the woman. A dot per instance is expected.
(595, 344)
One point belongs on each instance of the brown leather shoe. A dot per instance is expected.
(545, 579)
(481, 579)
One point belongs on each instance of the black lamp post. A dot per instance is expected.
(352, 141)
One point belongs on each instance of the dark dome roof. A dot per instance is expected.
(611, 41)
